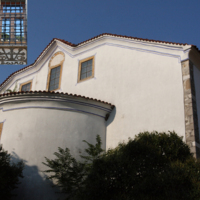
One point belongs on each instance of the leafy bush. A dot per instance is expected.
(69, 173)
(153, 166)
(9, 174)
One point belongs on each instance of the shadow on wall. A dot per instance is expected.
(34, 185)
(111, 117)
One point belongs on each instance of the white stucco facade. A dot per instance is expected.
(36, 124)
(142, 79)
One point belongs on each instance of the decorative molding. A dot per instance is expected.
(28, 70)
(60, 63)
(127, 40)
(61, 102)
(90, 49)
(56, 54)
(21, 99)
(54, 108)
(13, 56)
(80, 68)
(124, 47)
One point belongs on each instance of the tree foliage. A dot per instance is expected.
(69, 173)
(14, 90)
(9, 174)
(153, 166)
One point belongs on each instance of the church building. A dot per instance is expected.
(112, 85)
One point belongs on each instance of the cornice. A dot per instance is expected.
(53, 95)
(73, 47)
(55, 101)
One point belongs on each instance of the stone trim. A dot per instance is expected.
(190, 107)
(51, 66)
(57, 53)
(27, 82)
(195, 115)
(80, 68)
(1, 128)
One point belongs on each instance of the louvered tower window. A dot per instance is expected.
(13, 22)
(13, 28)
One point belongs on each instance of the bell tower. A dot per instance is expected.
(13, 26)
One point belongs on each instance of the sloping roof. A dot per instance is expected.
(52, 92)
(119, 36)
(96, 37)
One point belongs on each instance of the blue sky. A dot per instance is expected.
(79, 20)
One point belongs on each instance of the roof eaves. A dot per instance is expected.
(130, 37)
(52, 92)
(86, 41)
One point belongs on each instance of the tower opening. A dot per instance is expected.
(13, 26)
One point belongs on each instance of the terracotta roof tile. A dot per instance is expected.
(49, 92)
(129, 37)
(75, 45)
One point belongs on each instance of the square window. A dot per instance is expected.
(86, 69)
(26, 86)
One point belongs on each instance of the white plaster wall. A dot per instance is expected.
(197, 90)
(143, 81)
(145, 88)
(33, 133)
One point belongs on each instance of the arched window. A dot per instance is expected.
(55, 71)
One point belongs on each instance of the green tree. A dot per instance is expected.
(9, 174)
(153, 166)
(5, 36)
(69, 173)
(14, 90)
